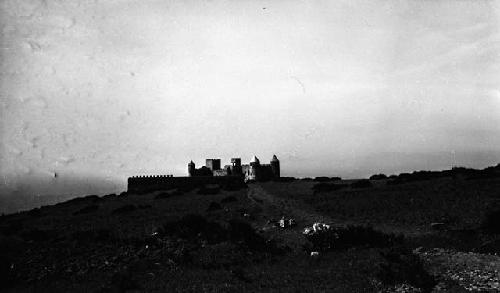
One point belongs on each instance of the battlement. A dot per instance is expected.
(152, 176)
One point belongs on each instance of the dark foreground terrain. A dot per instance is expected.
(424, 233)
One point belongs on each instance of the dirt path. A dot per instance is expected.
(275, 207)
(304, 215)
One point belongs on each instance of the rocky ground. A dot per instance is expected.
(230, 240)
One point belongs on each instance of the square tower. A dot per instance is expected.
(213, 164)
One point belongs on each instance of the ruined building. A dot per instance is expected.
(212, 173)
(252, 171)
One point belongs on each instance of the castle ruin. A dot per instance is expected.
(211, 173)
(254, 171)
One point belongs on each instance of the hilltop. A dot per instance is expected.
(424, 231)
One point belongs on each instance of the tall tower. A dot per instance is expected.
(236, 166)
(275, 166)
(254, 169)
(191, 168)
(213, 164)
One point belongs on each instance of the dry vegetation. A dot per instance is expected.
(386, 237)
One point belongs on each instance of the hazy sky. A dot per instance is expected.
(346, 88)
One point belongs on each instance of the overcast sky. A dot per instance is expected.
(341, 88)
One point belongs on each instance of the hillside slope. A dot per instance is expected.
(220, 240)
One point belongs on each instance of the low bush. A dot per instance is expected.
(284, 179)
(35, 213)
(352, 236)
(86, 210)
(88, 198)
(7, 272)
(228, 199)
(38, 235)
(169, 194)
(395, 181)
(234, 185)
(491, 222)
(326, 179)
(123, 281)
(214, 206)
(403, 266)
(91, 236)
(11, 228)
(209, 190)
(327, 187)
(378, 177)
(363, 183)
(9, 248)
(196, 228)
(109, 196)
(220, 255)
(124, 209)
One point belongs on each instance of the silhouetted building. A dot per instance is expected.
(230, 175)
(252, 171)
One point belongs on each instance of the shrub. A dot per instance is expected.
(491, 222)
(122, 281)
(209, 190)
(7, 275)
(124, 209)
(229, 199)
(88, 198)
(363, 183)
(186, 188)
(234, 185)
(335, 178)
(9, 248)
(214, 206)
(322, 179)
(164, 195)
(403, 266)
(11, 228)
(285, 179)
(326, 187)
(87, 209)
(35, 213)
(87, 236)
(378, 177)
(109, 196)
(38, 235)
(193, 227)
(352, 236)
(220, 255)
(395, 181)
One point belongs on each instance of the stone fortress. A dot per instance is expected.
(211, 173)
(254, 171)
